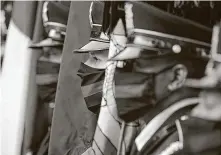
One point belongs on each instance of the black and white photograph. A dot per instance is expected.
(110, 77)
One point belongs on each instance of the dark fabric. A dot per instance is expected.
(47, 92)
(73, 124)
(133, 94)
(58, 11)
(113, 12)
(195, 65)
(139, 90)
(210, 12)
(90, 75)
(43, 149)
(155, 18)
(160, 144)
(91, 86)
(201, 135)
(44, 67)
(161, 70)
(94, 102)
(155, 73)
(97, 12)
(41, 124)
(106, 17)
(164, 133)
(170, 139)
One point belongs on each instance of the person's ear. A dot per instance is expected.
(180, 75)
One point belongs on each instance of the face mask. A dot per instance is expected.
(91, 86)
(137, 91)
(52, 54)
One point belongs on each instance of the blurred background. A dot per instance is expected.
(6, 12)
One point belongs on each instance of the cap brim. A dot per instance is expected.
(46, 43)
(133, 51)
(93, 46)
(127, 53)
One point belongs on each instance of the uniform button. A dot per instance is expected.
(176, 48)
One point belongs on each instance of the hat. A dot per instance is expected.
(55, 17)
(162, 33)
(56, 13)
(49, 42)
(98, 39)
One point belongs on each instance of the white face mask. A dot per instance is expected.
(53, 55)
(52, 58)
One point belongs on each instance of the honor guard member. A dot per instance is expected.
(92, 83)
(92, 71)
(165, 50)
(55, 17)
(93, 68)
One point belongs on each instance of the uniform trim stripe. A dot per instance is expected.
(161, 118)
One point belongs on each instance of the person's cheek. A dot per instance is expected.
(161, 83)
